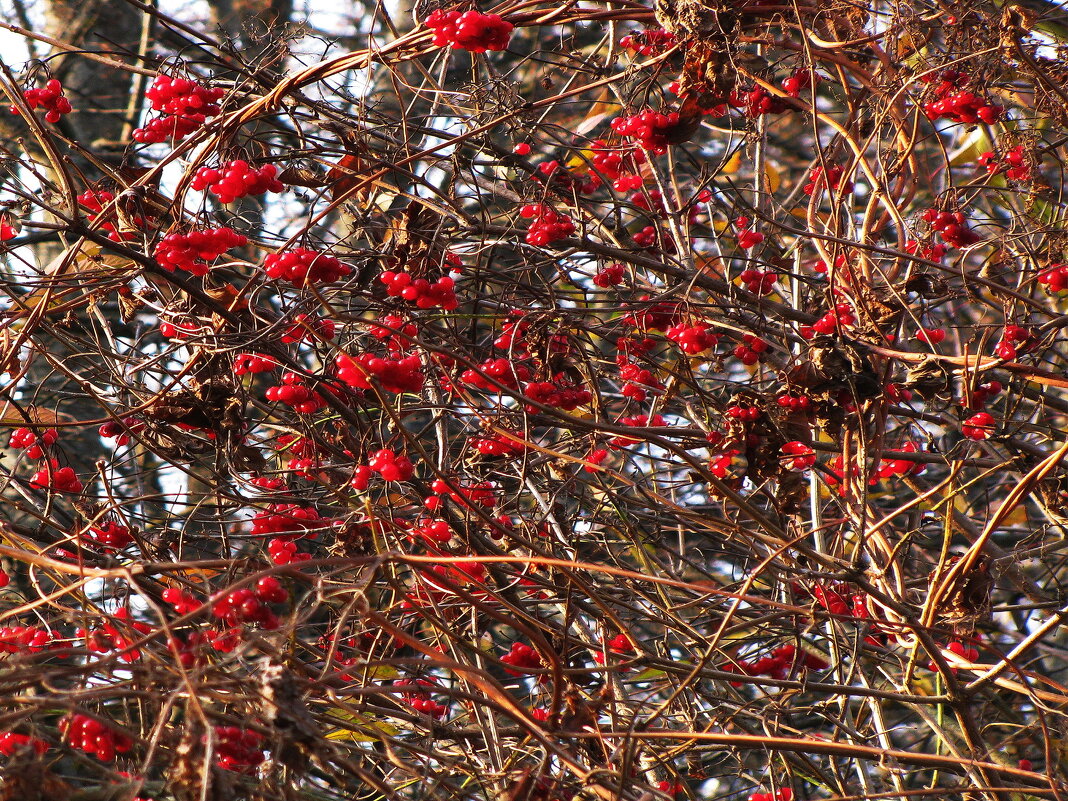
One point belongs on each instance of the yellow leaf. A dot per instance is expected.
(734, 163)
(359, 727)
(774, 179)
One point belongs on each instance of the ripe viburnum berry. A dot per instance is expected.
(302, 266)
(470, 30)
(393, 375)
(798, 456)
(193, 251)
(33, 442)
(237, 179)
(547, 226)
(978, 427)
(57, 479)
(186, 105)
(50, 98)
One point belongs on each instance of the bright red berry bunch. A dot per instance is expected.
(747, 238)
(1013, 339)
(651, 130)
(956, 103)
(110, 535)
(982, 393)
(423, 293)
(1054, 278)
(503, 371)
(302, 266)
(498, 445)
(192, 251)
(693, 339)
(246, 605)
(57, 479)
(784, 794)
(391, 466)
(393, 375)
(797, 456)
(779, 664)
(237, 179)
(638, 381)
(899, 467)
(310, 328)
(547, 225)
(253, 363)
(839, 317)
(757, 101)
(26, 639)
(294, 392)
(1014, 163)
(758, 282)
(95, 738)
(978, 427)
(932, 336)
(186, 105)
(832, 178)
(181, 601)
(750, 349)
(238, 750)
(952, 227)
(12, 743)
(416, 693)
(650, 42)
(612, 275)
(522, 659)
(33, 443)
(559, 395)
(470, 30)
(95, 201)
(50, 98)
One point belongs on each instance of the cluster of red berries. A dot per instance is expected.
(302, 266)
(471, 30)
(295, 393)
(797, 456)
(832, 177)
(1014, 163)
(957, 103)
(952, 227)
(799, 80)
(32, 442)
(181, 601)
(779, 664)
(794, 403)
(11, 743)
(618, 163)
(982, 393)
(498, 445)
(757, 101)
(650, 42)
(693, 339)
(651, 130)
(637, 421)
(110, 535)
(393, 375)
(396, 333)
(237, 179)
(253, 363)
(238, 750)
(1013, 339)
(416, 693)
(309, 328)
(185, 104)
(192, 251)
(556, 174)
(246, 605)
(612, 275)
(503, 371)
(561, 396)
(747, 238)
(391, 466)
(1054, 278)
(94, 201)
(932, 336)
(109, 638)
(57, 479)
(757, 281)
(638, 381)
(784, 794)
(619, 644)
(900, 467)
(979, 426)
(547, 225)
(830, 323)
(50, 98)
(292, 522)
(522, 659)
(95, 738)
(26, 639)
(750, 349)
(434, 532)
(743, 412)
(482, 493)
(424, 294)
